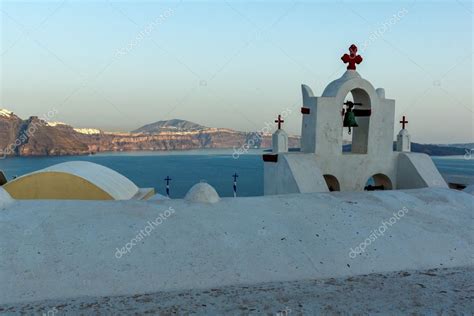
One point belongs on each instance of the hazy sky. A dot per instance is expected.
(118, 65)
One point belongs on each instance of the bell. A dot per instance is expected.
(349, 120)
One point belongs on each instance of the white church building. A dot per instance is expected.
(321, 165)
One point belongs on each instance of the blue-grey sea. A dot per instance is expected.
(186, 168)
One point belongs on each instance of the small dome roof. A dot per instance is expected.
(73, 180)
(112, 182)
(203, 193)
(280, 131)
(158, 197)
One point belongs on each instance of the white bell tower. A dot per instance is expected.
(403, 138)
(279, 138)
(322, 165)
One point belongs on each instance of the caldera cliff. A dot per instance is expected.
(39, 137)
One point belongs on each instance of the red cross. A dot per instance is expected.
(403, 121)
(352, 58)
(279, 121)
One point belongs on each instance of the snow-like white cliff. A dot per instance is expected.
(65, 249)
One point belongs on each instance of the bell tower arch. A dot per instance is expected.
(360, 111)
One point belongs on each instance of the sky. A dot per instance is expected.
(118, 65)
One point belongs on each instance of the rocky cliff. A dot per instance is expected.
(38, 137)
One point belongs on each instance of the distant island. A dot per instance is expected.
(38, 137)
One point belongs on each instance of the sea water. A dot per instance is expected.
(186, 168)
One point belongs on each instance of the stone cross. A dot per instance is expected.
(235, 176)
(352, 58)
(403, 122)
(279, 121)
(168, 179)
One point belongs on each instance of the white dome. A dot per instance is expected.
(5, 198)
(112, 182)
(158, 197)
(203, 193)
(90, 176)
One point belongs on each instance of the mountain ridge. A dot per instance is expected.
(37, 137)
(169, 125)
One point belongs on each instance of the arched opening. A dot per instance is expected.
(377, 182)
(361, 111)
(332, 183)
